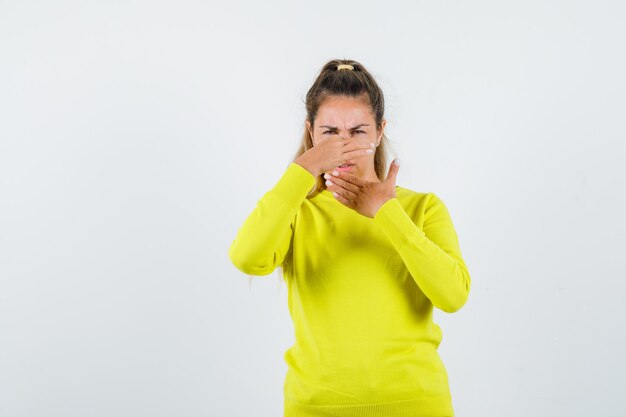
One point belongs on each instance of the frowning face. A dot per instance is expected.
(349, 117)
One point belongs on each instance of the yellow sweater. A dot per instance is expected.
(361, 293)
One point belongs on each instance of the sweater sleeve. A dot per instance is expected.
(265, 237)
(432, 255)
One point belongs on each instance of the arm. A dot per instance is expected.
(265, 237)
(431, 255)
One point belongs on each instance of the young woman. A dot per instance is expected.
(365, 262)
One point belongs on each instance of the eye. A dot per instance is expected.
(362, 131)
(328, 131)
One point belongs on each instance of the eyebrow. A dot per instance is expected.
(352, 128)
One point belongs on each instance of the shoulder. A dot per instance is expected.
(413, 202)
(412, 197)
(419, 204)
(423, 197)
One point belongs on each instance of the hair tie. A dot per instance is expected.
(345, 66)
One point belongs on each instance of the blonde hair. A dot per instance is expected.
(335, 80)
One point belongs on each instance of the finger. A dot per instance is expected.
(345, 189)
(358, 152)
(393, 171)
(354, 143)
(345, 201)
(352, 179)
(344, 183)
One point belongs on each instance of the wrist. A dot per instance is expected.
(314, 170)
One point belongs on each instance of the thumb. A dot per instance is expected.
(393, 171)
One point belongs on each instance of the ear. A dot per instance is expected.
(382, 130)
(308, 127)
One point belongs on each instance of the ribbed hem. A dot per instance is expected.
(421, 407)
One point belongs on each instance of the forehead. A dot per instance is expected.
(340, 110)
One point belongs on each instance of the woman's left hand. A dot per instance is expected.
(364, 196)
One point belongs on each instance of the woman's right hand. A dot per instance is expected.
(329, 153)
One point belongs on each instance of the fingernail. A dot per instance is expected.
(397, 161)
(335, 173)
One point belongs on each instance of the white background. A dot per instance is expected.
(135, 138)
